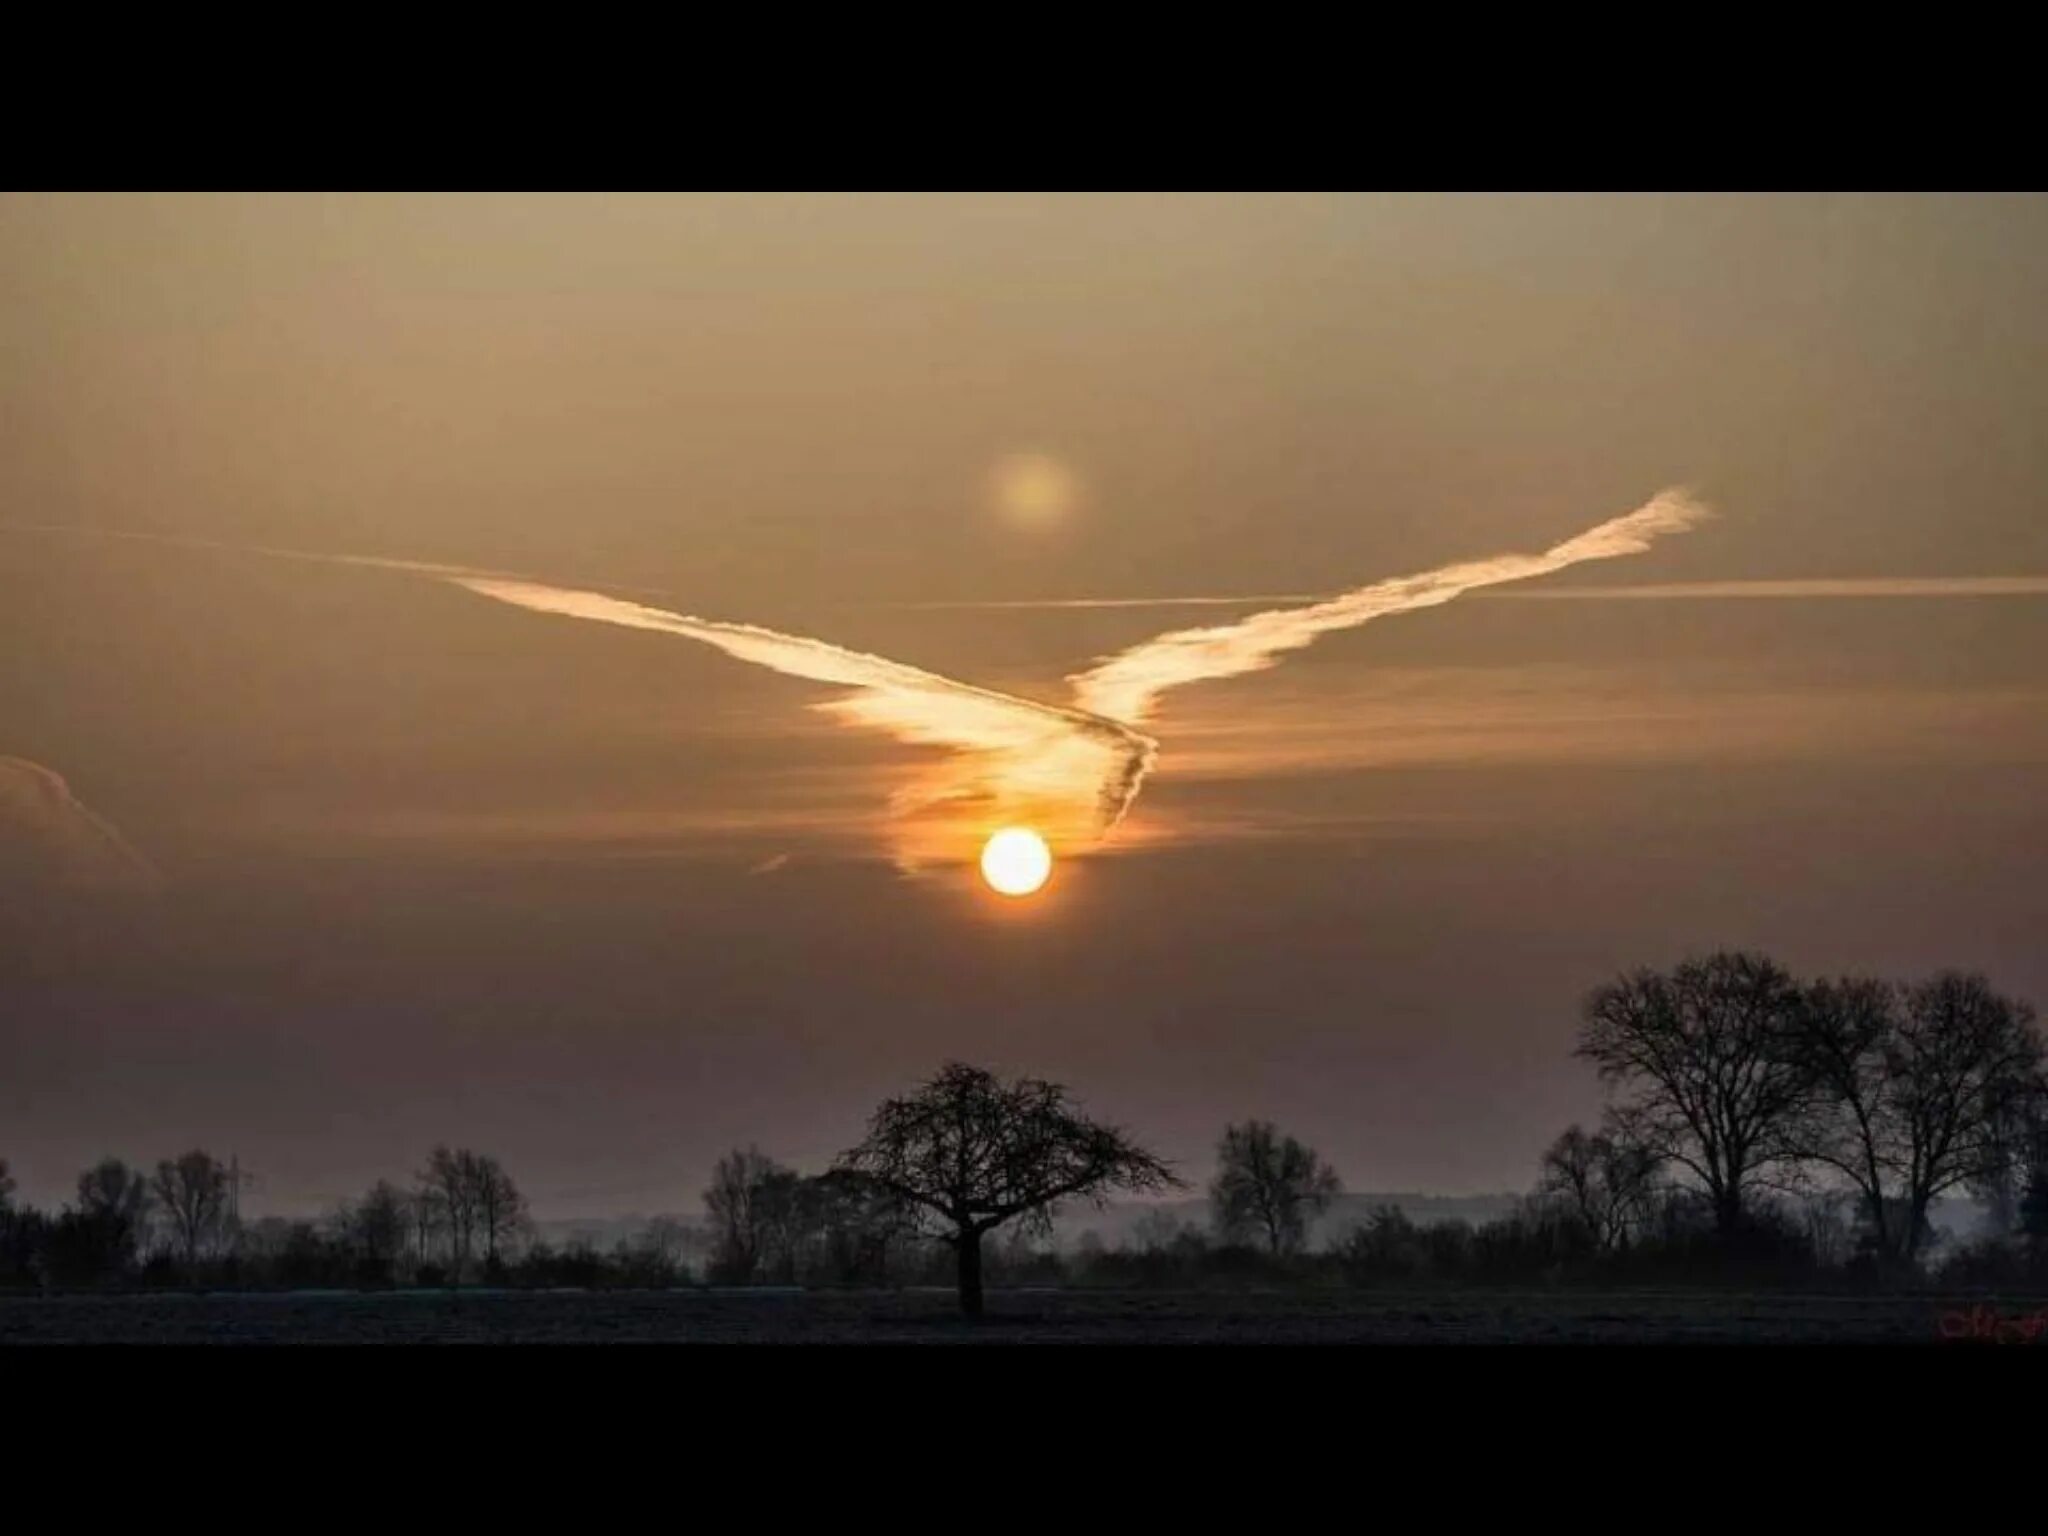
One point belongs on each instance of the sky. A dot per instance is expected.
(321, 863)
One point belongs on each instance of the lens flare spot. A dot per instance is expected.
(1033, 490)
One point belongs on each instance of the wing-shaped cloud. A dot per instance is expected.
(49, 836)
(1066, 771)
(1128, 684)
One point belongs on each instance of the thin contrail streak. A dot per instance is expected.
(1783, 587)
(1808, 586)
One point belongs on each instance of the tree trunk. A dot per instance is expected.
(1916, 1223)
(969, 1247)
(1728, 1211)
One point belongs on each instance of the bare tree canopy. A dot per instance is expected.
(967, 1152)
(500, 1208)
(192, 1192)
(464, 1195)
(1269, 1186)
(1701, 1057)
(374, 1231)
(1921, 1088)
(746, 1188)
(1607, 1182)
(112, 1211)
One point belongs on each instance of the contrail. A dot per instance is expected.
(1807, 587)
(50, 829)
(1072, 771)
(1128, 684)
(1013, 748)
(1743, 587)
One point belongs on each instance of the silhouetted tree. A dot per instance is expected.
(2033, 1184)
(745, 1187)
(968, 1152)
(1604, 1180)
(1922, 1090)
(1268, 1185)
(500, 1208)
(451, 1179)
(98, 1237)
(375, 1230)
(192, 1192)
(785, 1223)
(858, 1226)
(6, 1185)
(1703, 1055)
(423, 1208)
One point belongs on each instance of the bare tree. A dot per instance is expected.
(500, 1208)
(375, 1229)
(450, 1179)
(967, 1152)
(745, 1187)
(113, 1204)
(192, 1192)
(1924, 1088)
(855, 1226)
(424, 1214)
(1846, 1034)
(6, 1184)
(1703, 1056)
(1269, 1185)
(1605, 1180)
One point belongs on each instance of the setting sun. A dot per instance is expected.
(1016, 861)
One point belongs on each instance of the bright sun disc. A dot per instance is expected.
(1016, 861)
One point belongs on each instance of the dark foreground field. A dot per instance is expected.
(1016, 1317)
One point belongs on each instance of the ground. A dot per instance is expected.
(1052, 1317)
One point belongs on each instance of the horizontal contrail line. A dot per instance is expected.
(1803, 586)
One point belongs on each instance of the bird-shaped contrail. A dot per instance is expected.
(1073, 771)
(1069, 770)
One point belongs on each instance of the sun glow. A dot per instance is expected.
(1016, 861)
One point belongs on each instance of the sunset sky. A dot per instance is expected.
(321, 863)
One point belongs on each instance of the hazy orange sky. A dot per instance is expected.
(415, 866)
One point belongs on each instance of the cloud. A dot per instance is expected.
(1071, 771)
(1067, 771)
(52, 838)
(1127, 685)
(1797, 586)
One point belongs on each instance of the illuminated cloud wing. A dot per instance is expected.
(1128, 684)
(1067, 771)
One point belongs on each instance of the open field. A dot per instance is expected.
(1016, 1317)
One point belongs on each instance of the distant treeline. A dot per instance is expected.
(1759, 1130)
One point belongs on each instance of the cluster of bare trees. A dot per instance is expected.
(772, 1225)
(1732, 1082)
(461, 1216)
